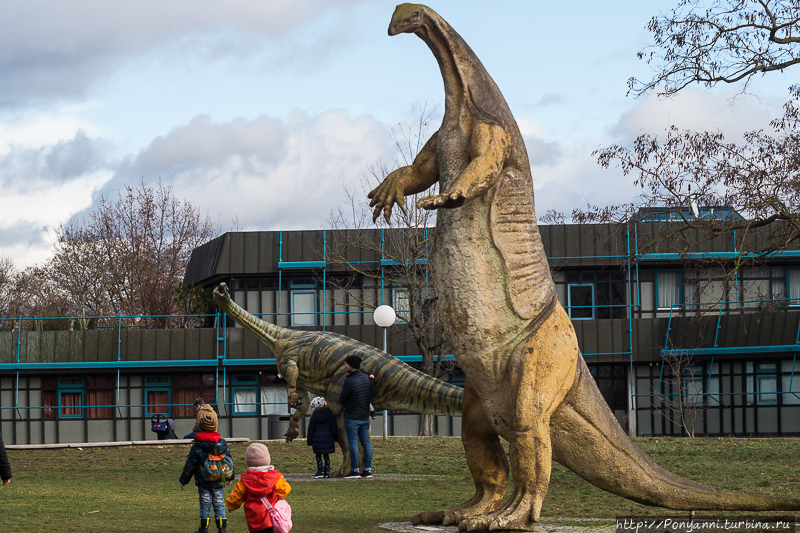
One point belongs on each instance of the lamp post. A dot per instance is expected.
(384, 316)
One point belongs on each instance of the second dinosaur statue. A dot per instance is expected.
(313, 362)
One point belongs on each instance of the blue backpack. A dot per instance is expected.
(217, 466)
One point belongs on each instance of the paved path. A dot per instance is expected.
(545, 525)
(384, 477)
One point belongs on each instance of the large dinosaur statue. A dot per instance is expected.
(526, 379)
(313, 362)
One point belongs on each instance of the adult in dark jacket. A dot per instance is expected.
(356, 394)
(5, 466)
(322, 436)
(207, 441)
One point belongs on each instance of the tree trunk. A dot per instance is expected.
(425, 420)
(426, 425)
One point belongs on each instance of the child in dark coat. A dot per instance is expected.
(206, 441)
(322, 436)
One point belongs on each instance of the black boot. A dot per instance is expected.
(319, 467)
(222, 525)
(326, 469)
(204, 522)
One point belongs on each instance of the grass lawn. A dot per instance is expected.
(136, 488)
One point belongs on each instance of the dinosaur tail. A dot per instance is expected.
(267, 333)
(588, 440)
(413, 390)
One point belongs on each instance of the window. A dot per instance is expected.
(764, 383)
(274, 400)
(63, 397)
(713, 394)
(100, 396)
(612, 382)
(710, 288)
(70, 398)
(793, 281)
(187, 388)
(400, 302)
(596, 294)
(668, 288)
(157, 395)
(790, 383)
(244, 392)
(581, 300)
(304, 302)
(693, 385)
(760, 284)
(304, 308)
(767, 383)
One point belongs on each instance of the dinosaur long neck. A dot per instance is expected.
(438, 35)
(267, 333)
(466, 81)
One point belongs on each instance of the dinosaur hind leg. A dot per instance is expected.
(487, 463)
(343, 446)
(539, 381)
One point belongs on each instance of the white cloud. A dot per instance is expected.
(39, 128)
(265, 172)
(576, 180)
(700, 111)
(271, 174)
(60, 48)
(27, 218)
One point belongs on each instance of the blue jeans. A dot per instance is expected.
(209, 497)
(358, 430)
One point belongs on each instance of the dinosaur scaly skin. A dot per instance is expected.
(526, 379)
(313, 362)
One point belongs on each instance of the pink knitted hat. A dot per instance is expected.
(257, 455)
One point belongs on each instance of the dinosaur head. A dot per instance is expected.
(221, 295)
(408, 18)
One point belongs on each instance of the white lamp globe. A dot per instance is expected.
(384, 316)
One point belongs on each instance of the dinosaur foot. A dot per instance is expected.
(520, 514)
(470, 509)
(475, 506)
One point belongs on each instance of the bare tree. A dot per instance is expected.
(78, 266)
(37, 296)
(135, 250)
(679, 396)
(7, 273)
(720, 41)
(746, 193)
(405, 251)
(758, 178)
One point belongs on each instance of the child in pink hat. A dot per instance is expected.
(260, 480)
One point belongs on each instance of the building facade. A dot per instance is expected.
(678, 342)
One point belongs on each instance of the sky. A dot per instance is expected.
(262, 113)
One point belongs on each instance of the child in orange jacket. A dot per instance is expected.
(258, 481)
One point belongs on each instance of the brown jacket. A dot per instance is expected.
(205, 410)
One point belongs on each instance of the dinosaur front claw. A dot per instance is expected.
(291, 434)
(295, 401)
